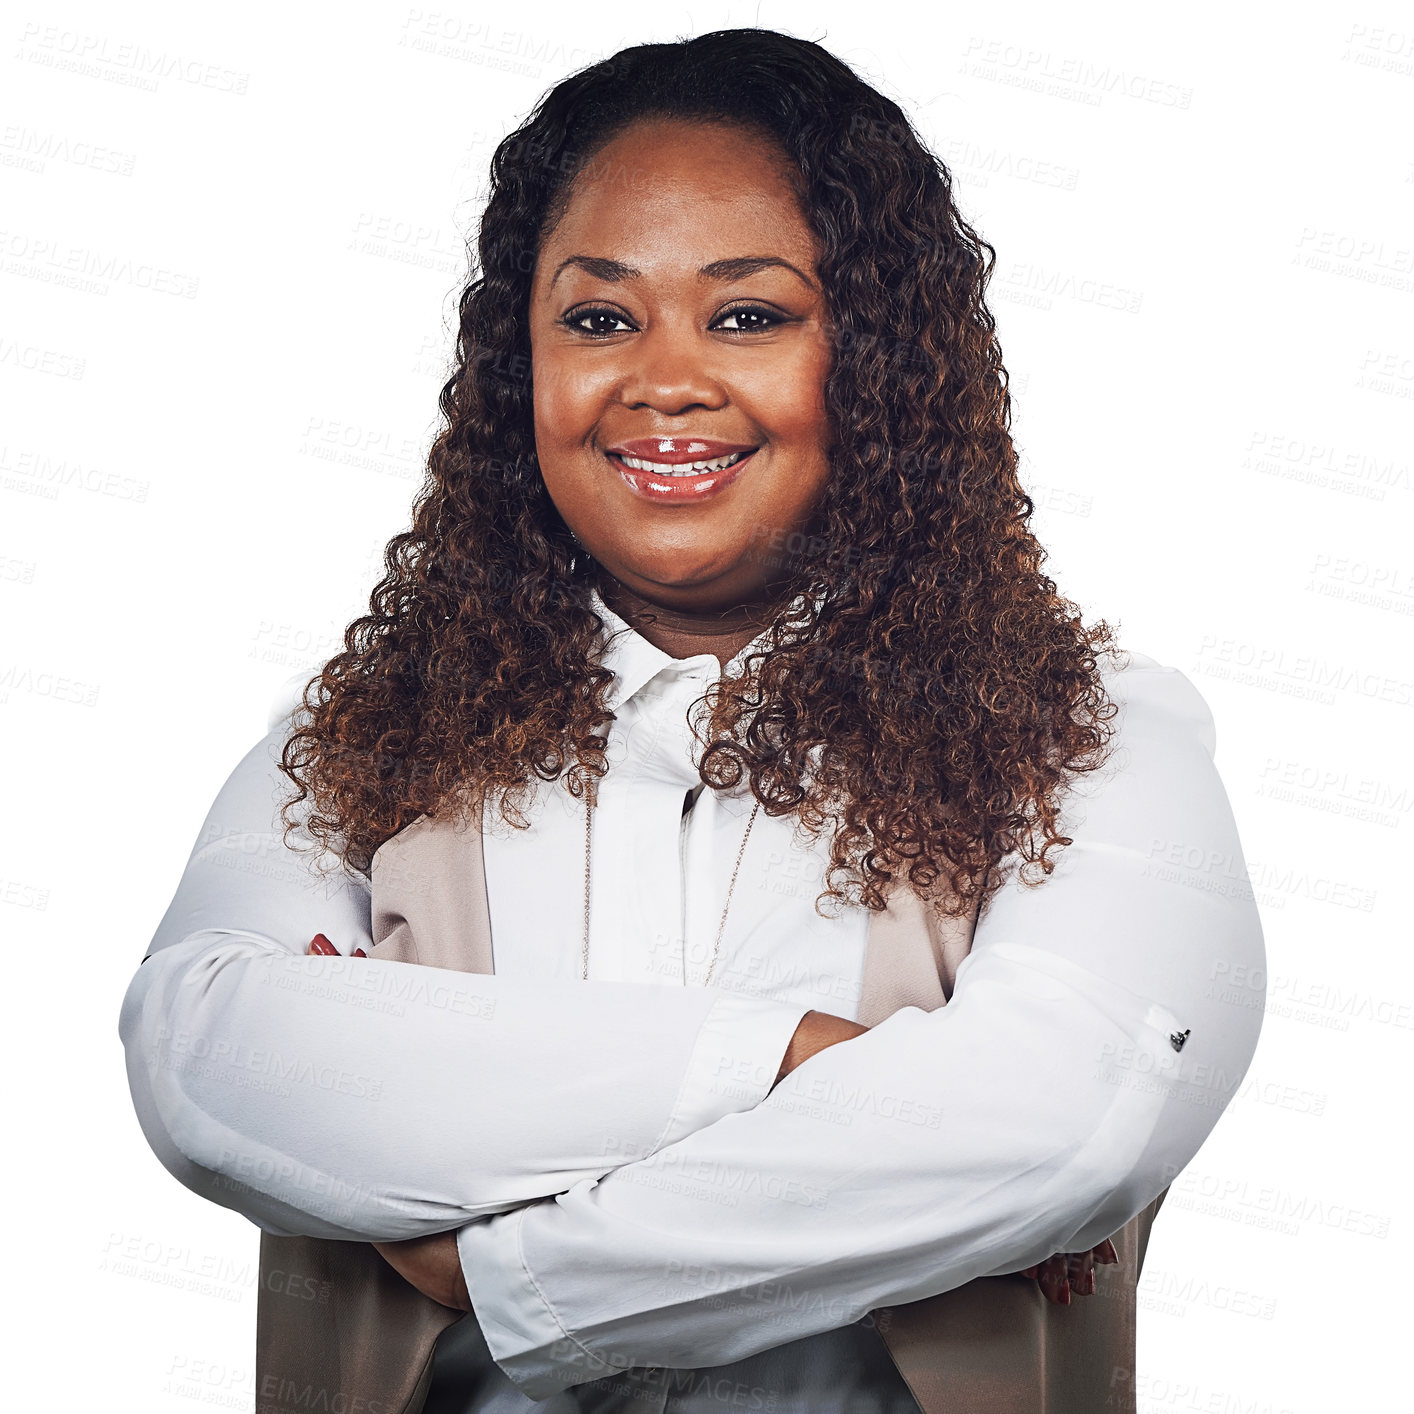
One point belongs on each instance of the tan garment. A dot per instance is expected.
(338, 1329)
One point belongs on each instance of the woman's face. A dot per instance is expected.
(659, 333)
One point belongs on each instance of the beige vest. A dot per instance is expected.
(338, 1330)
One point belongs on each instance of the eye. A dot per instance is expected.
(755, 314)
(576, 317)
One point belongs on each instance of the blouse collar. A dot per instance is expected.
(636, 662)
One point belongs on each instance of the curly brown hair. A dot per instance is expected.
(935, 694)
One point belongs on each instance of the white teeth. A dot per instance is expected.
(681, 468)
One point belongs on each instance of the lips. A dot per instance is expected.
(678, 470)
(676, 451)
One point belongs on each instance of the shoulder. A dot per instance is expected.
(286, 701)
(1157, 697)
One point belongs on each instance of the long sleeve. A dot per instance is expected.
(1036, 1112)
(371, 1099)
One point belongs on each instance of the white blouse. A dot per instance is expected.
(642, 1226)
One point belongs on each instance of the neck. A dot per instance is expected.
(683, 633)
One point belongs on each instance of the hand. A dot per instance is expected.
(816, 1031)
(432, 1265)
(1067, 1272)
(320, 946)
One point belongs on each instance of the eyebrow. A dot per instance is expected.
(737, 267)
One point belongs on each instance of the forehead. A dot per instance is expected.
(674, 193)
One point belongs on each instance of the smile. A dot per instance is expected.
(679, 481)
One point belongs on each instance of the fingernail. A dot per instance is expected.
(359, 952)
(322, 946)
(1088, 1286)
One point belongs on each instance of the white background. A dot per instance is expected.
(226, 303)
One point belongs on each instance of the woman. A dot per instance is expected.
(683, 709)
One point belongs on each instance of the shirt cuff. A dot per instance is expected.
(520, 1330)
(739, 1050)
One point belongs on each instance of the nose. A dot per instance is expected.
(668, 372)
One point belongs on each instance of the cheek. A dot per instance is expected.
(800, 398)
(806, 425)
(564, 403)
(802, 418)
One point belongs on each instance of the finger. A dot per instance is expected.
(1054, 1282)
(322, 947)
(1050, 1275)
(1080, 1275)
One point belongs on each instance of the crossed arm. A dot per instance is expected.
(433, 1264)
(1060, 1105)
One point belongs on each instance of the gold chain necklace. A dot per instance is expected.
(591, 790)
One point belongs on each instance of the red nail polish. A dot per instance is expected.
(359, 952)
(323, 947)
